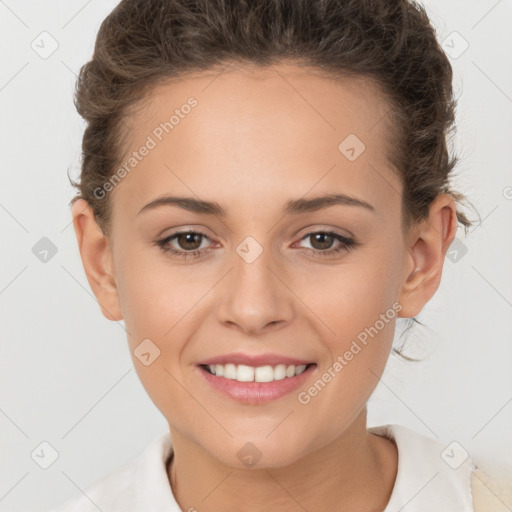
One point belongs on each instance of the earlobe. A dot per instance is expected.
(428, 244)
(96, 256)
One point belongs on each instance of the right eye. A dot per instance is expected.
(188, 240)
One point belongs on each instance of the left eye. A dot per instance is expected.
(323, 241)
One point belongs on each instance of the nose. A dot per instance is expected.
(254, 296)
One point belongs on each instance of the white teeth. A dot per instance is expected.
(299, 369)
(267, 373)
(264, 374)
(280, 372)
(244, 373)
(230, 371)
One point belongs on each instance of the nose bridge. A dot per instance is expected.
(253, 296)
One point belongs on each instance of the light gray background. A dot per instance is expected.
(66, 375)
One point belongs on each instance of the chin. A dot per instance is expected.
(257, 452)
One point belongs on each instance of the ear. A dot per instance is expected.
(97, 259)
(428, 244)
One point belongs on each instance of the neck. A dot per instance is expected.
(334, 478)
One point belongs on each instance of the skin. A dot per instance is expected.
(256, 139)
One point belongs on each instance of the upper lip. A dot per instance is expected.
(254, 360)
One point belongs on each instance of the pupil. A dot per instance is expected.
(188, 238)
(322, 237)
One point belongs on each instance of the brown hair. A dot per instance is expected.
(143, 43)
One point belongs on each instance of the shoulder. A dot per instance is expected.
(124, 488)
(492, 489)
(100, 495)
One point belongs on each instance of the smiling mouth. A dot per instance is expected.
(258, 374)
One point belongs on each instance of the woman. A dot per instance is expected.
(265, 189)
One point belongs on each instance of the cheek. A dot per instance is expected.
(351, 296)
(160, 304)
(358, 302)
(358, 309)
(163, 305)
(155, 296)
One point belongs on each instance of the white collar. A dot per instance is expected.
(425, 482)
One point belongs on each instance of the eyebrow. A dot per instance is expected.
(293, 207)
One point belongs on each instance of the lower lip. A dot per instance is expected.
(256, 392)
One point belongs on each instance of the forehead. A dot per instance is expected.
(266, 132)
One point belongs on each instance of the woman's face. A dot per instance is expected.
(266, 279)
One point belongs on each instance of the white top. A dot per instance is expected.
(424, 481)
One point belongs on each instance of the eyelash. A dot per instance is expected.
(347, 245)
